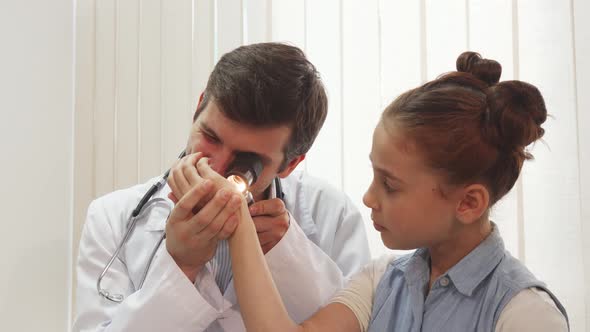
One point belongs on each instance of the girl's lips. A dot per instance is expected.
(378, 227)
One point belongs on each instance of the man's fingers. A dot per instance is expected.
(267, 238)
(178, 178)
(206, 171)
(270, 207)
(228, 228)
(172, 182)
(183, 174)
(185, 205)
(263, 223)
(189, 168)
(207, 214)
(172, 197)
(223, 216)
(193, 157)
(189, 172)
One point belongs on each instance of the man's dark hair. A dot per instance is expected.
(269, 85)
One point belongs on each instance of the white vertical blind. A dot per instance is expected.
(149, 132)
(401, 43)
(127, 89)
(105, 96)
(150, 60)
(257, 21)
(203, 46)
(446, 34)
(581, 39)
(491, 33)
(229, 25)
(324, 49)
(177, 76)
(288, 21)
(361, 86)
(551, 195)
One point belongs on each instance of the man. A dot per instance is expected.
(265, 100)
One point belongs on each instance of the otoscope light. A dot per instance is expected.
(243, 172)
(239, 182)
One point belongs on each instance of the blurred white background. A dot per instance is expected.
(98, 95)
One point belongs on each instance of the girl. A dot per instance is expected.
(443, 154)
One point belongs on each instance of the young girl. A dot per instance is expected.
(443, 154)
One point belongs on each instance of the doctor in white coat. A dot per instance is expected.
(263, 99)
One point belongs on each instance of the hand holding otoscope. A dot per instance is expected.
(204, 208)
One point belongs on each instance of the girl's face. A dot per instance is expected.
(409, 208)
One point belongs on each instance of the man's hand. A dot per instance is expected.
(191, 239)
(183, 176)
(270, 216)
(203, 214)
(271, 220)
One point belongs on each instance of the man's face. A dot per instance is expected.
(221, 139)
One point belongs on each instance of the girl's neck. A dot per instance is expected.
(445, 255)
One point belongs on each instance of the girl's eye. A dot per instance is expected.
(388, 187)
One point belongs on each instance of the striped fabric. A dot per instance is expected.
(221, 263)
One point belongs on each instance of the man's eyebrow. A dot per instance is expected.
(209, 131)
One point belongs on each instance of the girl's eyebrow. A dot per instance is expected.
(384, 171)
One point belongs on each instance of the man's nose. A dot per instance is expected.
(221, 161)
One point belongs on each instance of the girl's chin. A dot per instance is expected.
(395, 244)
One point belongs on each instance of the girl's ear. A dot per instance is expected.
(473, 204)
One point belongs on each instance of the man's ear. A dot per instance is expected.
(291, 166)
(473, 204)
(198, 110)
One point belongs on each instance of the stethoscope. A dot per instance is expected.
(243, 173)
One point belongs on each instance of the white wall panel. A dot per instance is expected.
(36, 131)
(551, 195)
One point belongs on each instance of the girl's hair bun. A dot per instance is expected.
(488, 71)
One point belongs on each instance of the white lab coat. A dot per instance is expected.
(307, 273)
